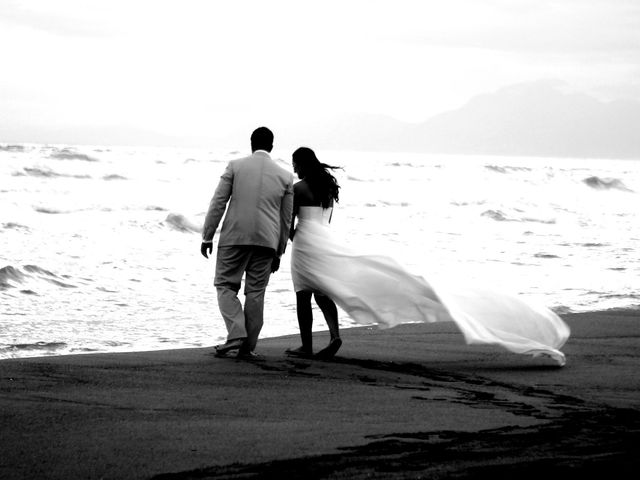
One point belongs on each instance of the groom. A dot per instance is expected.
(257, 195)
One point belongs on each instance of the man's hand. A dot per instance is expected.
(275, 264)
(206, 248)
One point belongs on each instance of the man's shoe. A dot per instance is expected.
(235, 344)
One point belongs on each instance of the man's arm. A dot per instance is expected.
(217, 206)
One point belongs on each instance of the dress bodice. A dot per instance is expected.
(315, 214)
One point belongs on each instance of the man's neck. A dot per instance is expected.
(260, 150)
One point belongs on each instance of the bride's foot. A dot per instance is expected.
(299, 352)
(330, 350)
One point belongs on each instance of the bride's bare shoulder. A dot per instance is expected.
(302, 193)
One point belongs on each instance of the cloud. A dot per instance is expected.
(196, 66)
(78, 20)
(552, 27)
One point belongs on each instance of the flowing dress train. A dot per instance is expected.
(375, 289)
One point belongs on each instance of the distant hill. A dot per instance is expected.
(538, 119)
(534, 119)
(86, 135)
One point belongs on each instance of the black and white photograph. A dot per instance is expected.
(356, 239)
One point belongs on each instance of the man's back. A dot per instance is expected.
(257, 196)
(258, 211)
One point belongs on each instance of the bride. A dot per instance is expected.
(375, 289)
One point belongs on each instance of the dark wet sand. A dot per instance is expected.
(410, 402)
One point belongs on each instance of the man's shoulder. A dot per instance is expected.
(279, 168)
(253, 161)
(242, 163)
(240, 160)
(286, 173)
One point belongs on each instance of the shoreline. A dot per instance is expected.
(615, 310)
(409, 402)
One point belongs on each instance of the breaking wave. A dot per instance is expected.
(37, 269)
(506, 169)
(12, 148)
(38, 348)
(606, 184)
(500, 216)
(545, 255)
(181, 223)
(68, 154)
(355, 179)
(403, 164)
(14, 226)
(11, 276)
(50, 211)
(114, 177)
(45, 173)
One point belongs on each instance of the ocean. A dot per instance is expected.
(100, 245)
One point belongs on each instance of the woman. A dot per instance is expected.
(313, 199)
(375, 289)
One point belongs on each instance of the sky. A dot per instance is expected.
(189, 68)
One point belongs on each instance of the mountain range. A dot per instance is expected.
(539, 118)
(533, 119)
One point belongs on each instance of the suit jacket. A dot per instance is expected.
(259, 194)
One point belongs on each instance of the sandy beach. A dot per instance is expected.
(410, 402)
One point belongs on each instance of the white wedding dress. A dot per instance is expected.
(375, 289)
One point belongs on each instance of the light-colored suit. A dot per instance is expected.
(260, 198)
(257, 196)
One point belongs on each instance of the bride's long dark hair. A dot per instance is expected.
(322, 183)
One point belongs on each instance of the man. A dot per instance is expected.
(253, 237)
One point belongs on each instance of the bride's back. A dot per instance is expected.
(315, 214)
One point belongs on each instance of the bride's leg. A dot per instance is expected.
(330, 312)
(305, 320)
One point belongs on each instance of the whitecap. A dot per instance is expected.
(545, 255)
(14, 226)
(37, 269)
(45, 173)
(12, 148)
(68, 154)
(606, 184)
(500, 216)
(48, 210)
(36, 346)
(495, 215)
(10, 272)
(495, 168)
(181, 223)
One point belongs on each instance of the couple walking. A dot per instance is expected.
(261, 204)
(264, 209)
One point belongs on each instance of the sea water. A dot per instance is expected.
(100, 245)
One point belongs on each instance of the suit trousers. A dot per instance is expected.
(232, 263)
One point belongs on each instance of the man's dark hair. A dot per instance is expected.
(262, 139)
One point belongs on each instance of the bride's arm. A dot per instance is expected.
(296, 207)
(292, 230)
